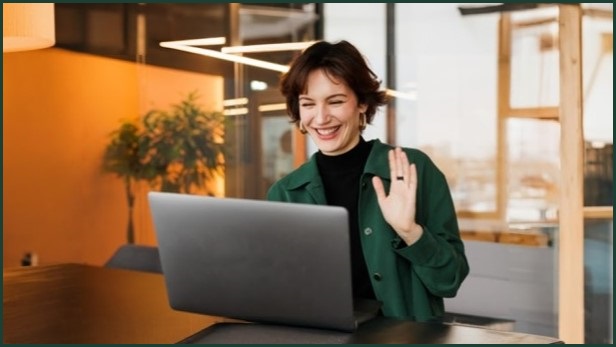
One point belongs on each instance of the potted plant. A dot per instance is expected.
(178, 150)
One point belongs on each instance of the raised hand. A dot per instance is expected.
(399, 207)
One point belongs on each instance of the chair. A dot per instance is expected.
(136, 257)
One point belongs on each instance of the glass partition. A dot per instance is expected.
(447, 66)
(459, 115)
(262, 33)
(534, 58)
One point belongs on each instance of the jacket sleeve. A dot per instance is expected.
(438, 257)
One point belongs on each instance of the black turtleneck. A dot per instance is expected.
(341, 175)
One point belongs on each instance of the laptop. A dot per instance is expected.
(259, 261)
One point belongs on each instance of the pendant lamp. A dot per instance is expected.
(27, 26)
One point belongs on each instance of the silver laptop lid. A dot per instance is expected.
(255, 260)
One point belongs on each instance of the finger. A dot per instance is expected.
(378, 189)
(399, 164)
(413, 175)
(391, 155)
(404, 162)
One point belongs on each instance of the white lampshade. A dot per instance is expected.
(27, 26)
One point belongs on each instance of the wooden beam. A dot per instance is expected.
(533, 22)
(599, 13)
(571, 205)
(598, 212)
(550, 113)
(607, 45)
(503, 108)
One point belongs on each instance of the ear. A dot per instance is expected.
(363, 108)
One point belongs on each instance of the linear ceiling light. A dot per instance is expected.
(272, 12)
(272, 47)
(209, 41)
(272, 107)
(187, 46)
(224, 56)
(235, 102)
(402, 95)
(235, 111)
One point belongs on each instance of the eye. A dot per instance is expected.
(306, 104)
(336, 102)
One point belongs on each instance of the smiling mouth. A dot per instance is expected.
(327, 131)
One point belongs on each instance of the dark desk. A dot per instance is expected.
(378, 331)
(85, 304)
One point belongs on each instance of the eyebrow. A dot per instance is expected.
(302, 97)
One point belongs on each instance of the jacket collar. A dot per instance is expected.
(308, 173)
(308, 176)
(378, 162)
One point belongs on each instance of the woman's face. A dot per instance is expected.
(329, 111)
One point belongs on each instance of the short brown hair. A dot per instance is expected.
(340, 60)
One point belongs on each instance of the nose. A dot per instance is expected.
(321, 115)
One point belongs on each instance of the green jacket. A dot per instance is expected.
(411, 281)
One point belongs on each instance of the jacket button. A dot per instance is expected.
(367, 231)
(364, 185)
(377, 276)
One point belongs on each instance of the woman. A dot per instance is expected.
(406, 246)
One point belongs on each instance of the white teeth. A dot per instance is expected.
(327, 131)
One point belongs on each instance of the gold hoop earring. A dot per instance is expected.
(363, 121)
(301, 127)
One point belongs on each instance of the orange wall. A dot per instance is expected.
(58, 110)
